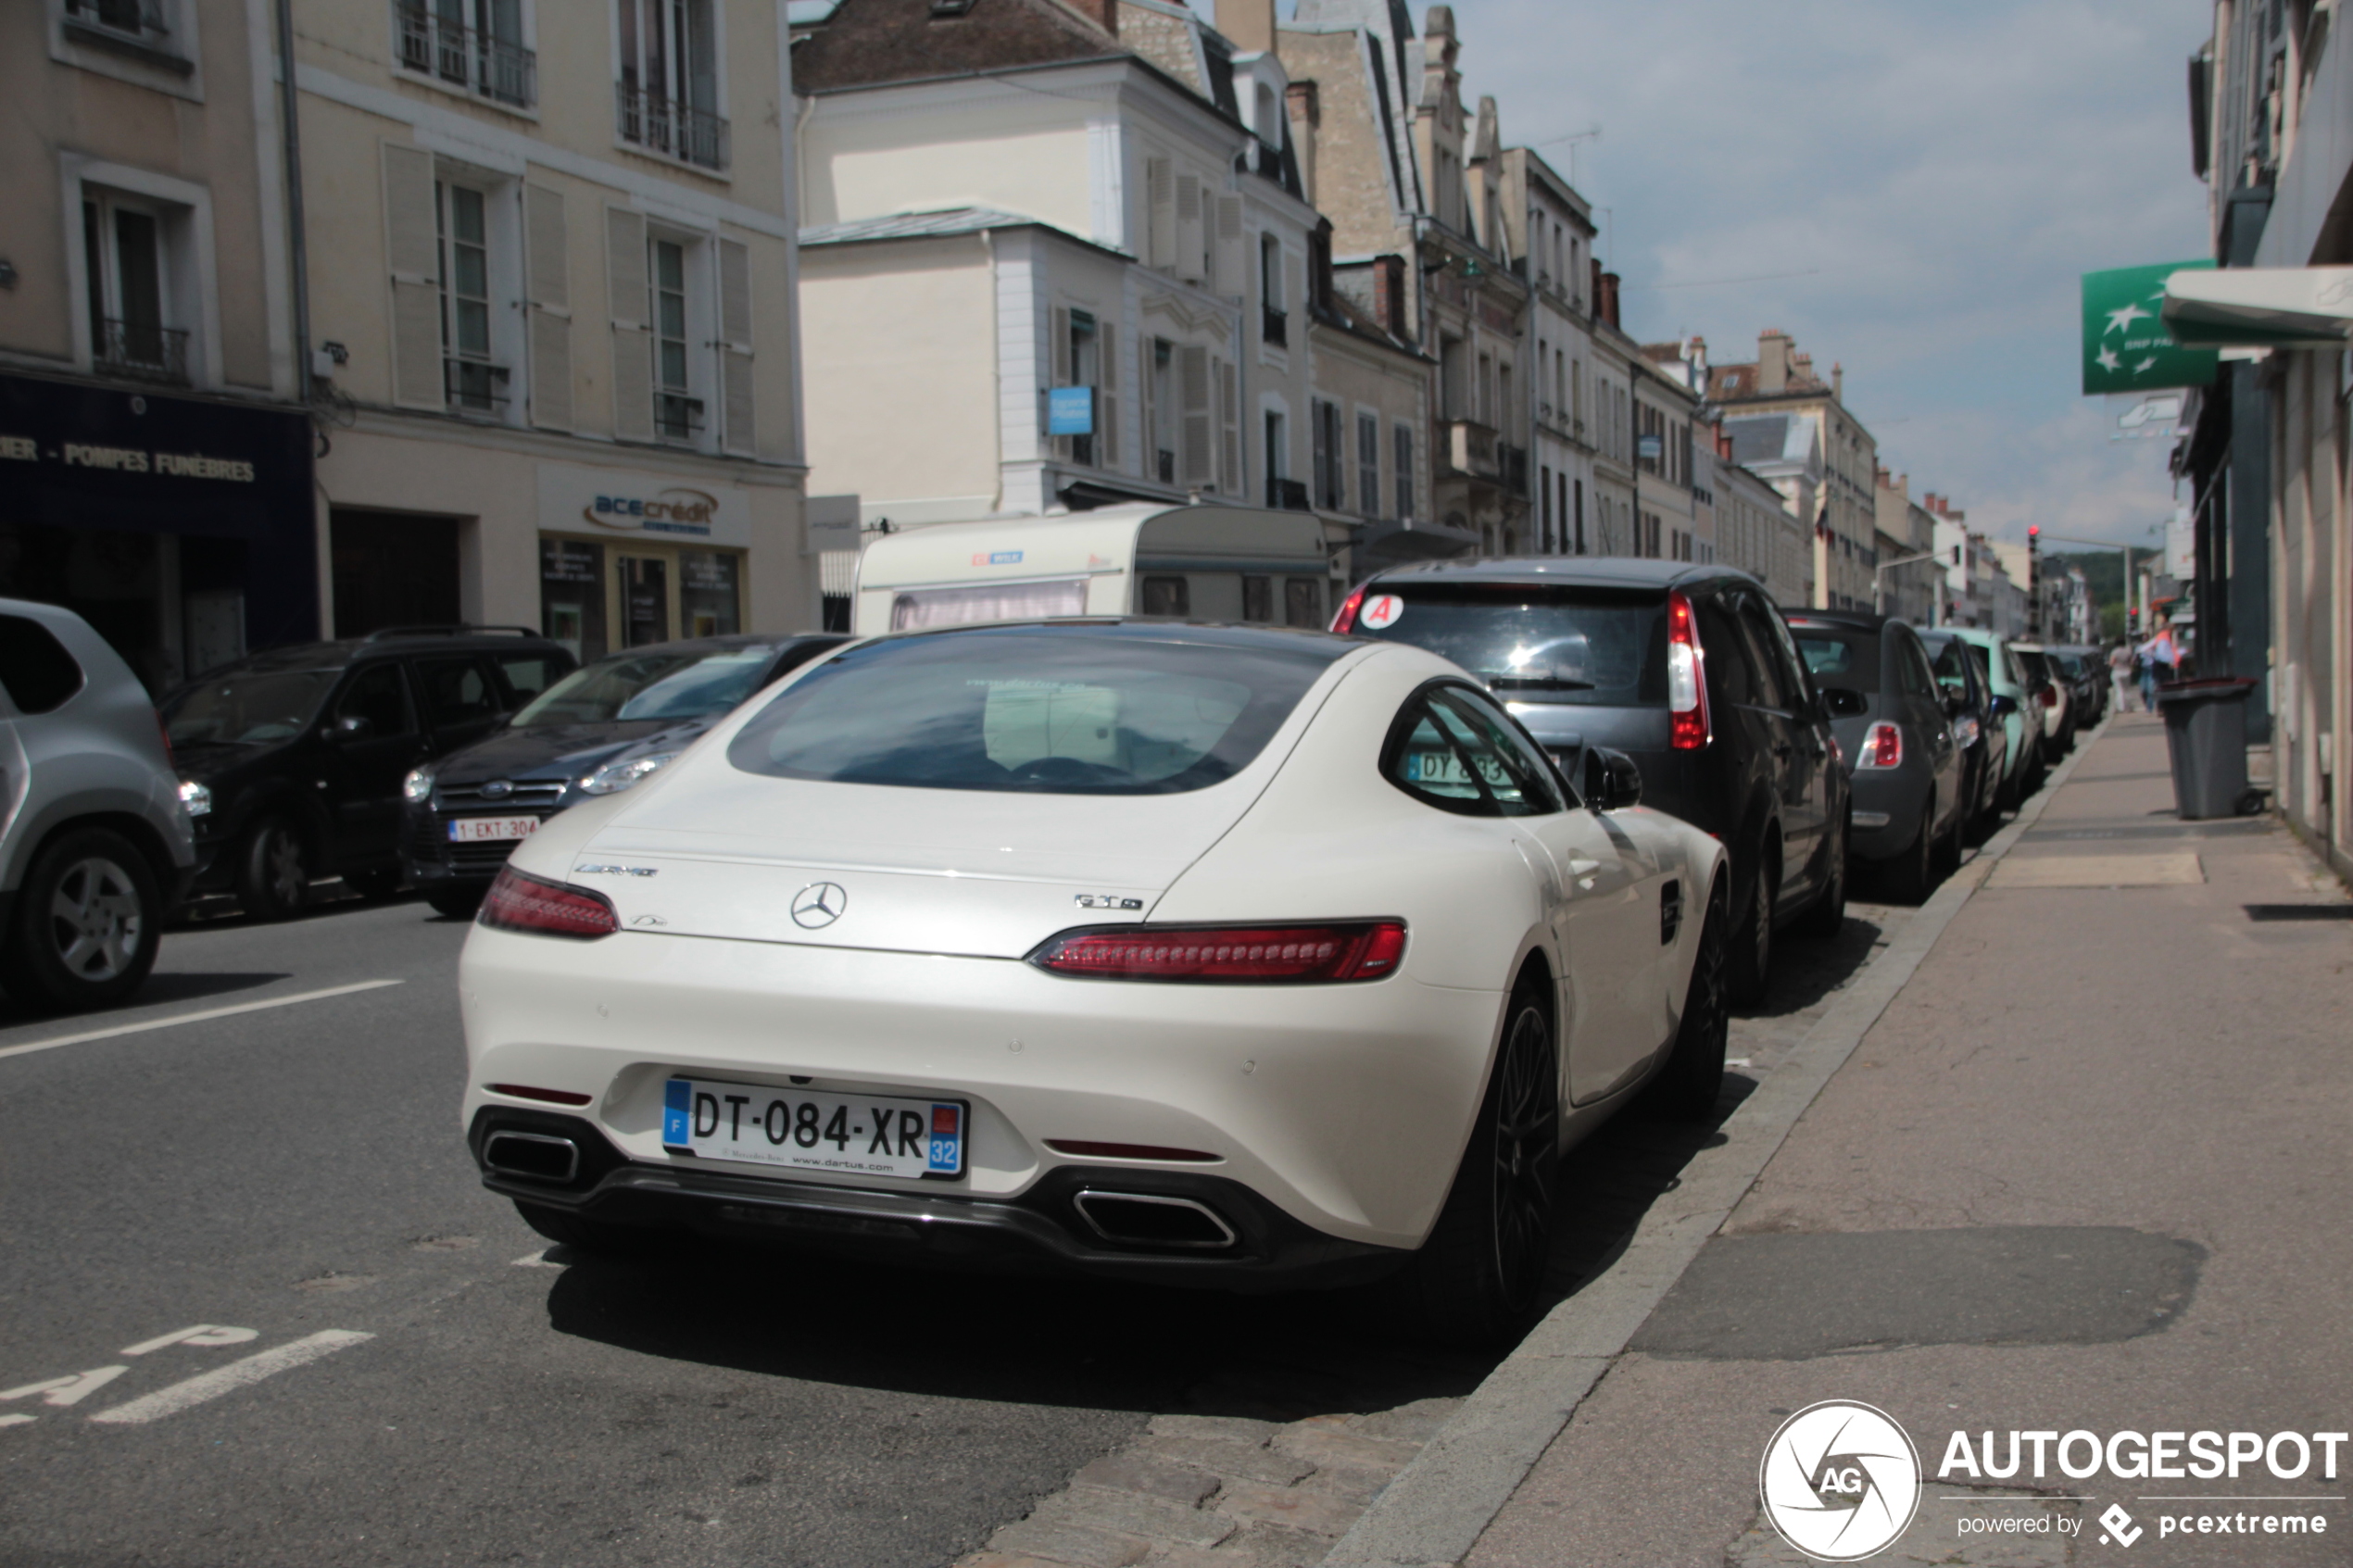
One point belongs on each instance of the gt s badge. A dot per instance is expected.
(616, 871)
(1106, 901)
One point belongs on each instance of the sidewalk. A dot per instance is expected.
(2087, 1171)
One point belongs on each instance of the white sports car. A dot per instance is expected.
(1203, 954)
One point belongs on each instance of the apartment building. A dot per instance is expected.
(1781, 380)
(1617, 530)
(1549, 228)
(157, 460)
(1668, 389)
(550, 291)
(1910, 571)
(1755, 530)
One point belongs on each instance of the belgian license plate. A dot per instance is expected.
(491, 830)
(856, 1135)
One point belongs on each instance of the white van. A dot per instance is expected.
(1212, 563)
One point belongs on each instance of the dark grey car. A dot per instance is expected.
(1894, 724)
(1689, 670)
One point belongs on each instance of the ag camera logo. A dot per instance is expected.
(1840, 1481)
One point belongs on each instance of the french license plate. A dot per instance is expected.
(857, 1134)
(491, 830)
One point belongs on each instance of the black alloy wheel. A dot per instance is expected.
(1912, 875)
(1691, 1081)
(88, 921)
(1478, 1279)
(1753, 947)
(273, 877)
(1827, 917)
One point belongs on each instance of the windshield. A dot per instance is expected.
(683, 685)
(1840, 660)
(255, 710)
(1600, 647)
(1109, 710)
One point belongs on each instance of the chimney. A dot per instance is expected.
(1102, 13)
(1802, 369)
(1595, 292)
(1306, 114)
(1609, 298)
(1838, 382)
(1249, 23)
(1772, 361)
(1389, 293)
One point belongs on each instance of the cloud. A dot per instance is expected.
(1937, 174)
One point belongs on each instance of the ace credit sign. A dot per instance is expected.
(2126, 347)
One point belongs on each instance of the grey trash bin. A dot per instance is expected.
(2206, 733)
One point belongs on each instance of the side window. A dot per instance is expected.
(38, 671)
(1917, 681)
(529, 674)
(1795, 680)
(1772, 689)
(1168, 596)
(1448, 754)
(1727, 653)
(378, 694)
(457, 691)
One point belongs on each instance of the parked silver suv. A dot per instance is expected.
(94, 837)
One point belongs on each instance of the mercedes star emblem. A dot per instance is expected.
(820, 903)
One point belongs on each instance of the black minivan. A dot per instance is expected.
(292, 759)
(1686, 668)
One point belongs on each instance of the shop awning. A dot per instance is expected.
(2259, 307)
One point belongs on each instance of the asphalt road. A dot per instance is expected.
(364, 1357)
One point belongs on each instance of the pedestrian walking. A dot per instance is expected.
(2120, 675)
(2158, 656)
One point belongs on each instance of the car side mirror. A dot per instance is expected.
(351, 726)
(1840, 703)
(2003, 705)
(1612, 782)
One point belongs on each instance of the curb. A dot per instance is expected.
(1433, 1513)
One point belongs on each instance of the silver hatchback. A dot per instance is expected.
(94, 840)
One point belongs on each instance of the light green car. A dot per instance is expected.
(2019, 702)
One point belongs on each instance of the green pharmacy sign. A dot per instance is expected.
(2126, 347)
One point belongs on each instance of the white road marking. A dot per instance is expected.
(202, 1333)
(70, 1390)
(14, 1420)
(539, 1259)
(229, 1379)
(194, 1017)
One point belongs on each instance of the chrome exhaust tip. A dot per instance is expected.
(1138, 1219)
(541, 1156)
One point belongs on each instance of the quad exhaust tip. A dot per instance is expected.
(1138, 1219)
(543, 1157)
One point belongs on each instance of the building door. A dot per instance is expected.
(645, 600)
(393, 568)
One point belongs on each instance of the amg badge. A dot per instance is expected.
(1107, 901)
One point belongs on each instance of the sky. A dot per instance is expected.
(1911, 187)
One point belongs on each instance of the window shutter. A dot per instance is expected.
(736, 431)
(1190, 251)
(1321, 429)
(1147, 412)
(1160, 231)
(633, 365)
(1107, 397)
(1058, 370)
(1230, 403)
(550, 276)
(1230, 246)
(1196, 464)
(415, 253)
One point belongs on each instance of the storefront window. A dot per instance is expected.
(572, 595)
(645, 600)
(708, 596)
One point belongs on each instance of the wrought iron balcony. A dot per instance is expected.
(141, 351)
(142, 19)
(671, 128)
(1273, 326)
(1470, 449)
(445, 49)
(1511, 463)
(474, 385)
(1287, 496)
(677, 418)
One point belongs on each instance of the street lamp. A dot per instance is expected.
(1878, 592)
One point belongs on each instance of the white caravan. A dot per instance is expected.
(1211, 563)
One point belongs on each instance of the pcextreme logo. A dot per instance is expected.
(1840, 1481)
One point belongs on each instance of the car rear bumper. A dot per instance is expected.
(1248, 1245)
(1887, 806)
(1344, 1107)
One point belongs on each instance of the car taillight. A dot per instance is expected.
(163, 733)
(517, 901)
(1686, 678)
(1345, 622)
(1228, 954)
(2050, 696)
(1883, 747)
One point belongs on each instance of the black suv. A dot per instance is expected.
(1686, 668)
(293, 758)
(595, 732)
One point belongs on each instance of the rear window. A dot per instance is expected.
(1839, 659)
(1603, 647)
(1105, 710)
(40, 674)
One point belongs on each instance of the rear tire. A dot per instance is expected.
(1948, 849)
(1692, 1080)
(1911, 874)
(1478, 1279)
(88, 918)
(273, 875)
(1751, 967)
(1827, 917)
(456, 903)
